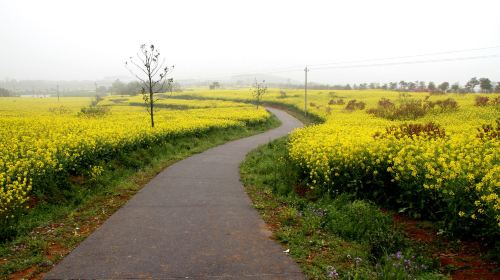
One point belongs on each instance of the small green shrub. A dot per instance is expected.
(61, 110)
(289, 216)
(363, 222)
(93, 111)
(96, 100)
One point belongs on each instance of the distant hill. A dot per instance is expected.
(241, 80)
(270, 79)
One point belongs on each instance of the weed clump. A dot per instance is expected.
(449, 104)
(355, 105)
(339, 101)
(481, 101)
(94, 111)
(496, 101)
(412, 130)
(328, 110)
(61, 110)
(489, 131)
(410, 109)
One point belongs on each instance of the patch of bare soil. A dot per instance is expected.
(464, 261)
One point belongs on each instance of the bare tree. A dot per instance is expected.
(152, 72)
(259, 89)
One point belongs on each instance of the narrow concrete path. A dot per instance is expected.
(193, 220)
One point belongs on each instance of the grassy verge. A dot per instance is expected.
(49, 231)
(340, 238)
(298, 113)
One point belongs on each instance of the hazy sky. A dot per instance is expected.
(63, 40)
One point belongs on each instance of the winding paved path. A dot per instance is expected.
(193, 220)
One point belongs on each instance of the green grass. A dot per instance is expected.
(293, 110)
(49, 231)
(340, 236)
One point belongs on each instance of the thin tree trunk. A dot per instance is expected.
(151, 108)
(151, 101)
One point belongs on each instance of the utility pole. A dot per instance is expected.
(305, 91)
(57, 88)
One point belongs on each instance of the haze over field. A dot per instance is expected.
(285, 139)
(89, 40)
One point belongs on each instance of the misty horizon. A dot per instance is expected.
(364, 42)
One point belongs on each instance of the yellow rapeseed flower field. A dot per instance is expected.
(455, 179)
(43, 136)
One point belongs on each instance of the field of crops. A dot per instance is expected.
(43, 139)
(448, 171)
(454, 178)
(165, 101)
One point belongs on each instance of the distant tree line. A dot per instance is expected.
(133, 88)
(49, 86)
(5, 93)
(119, 87)
(322, 86)
(484, 85)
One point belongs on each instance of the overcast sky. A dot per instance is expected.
(75, 40)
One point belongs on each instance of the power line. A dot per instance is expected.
(215, 77)
(372, 65)
(409, 62)
(406, 56)
(298, 68)
(295, 69)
